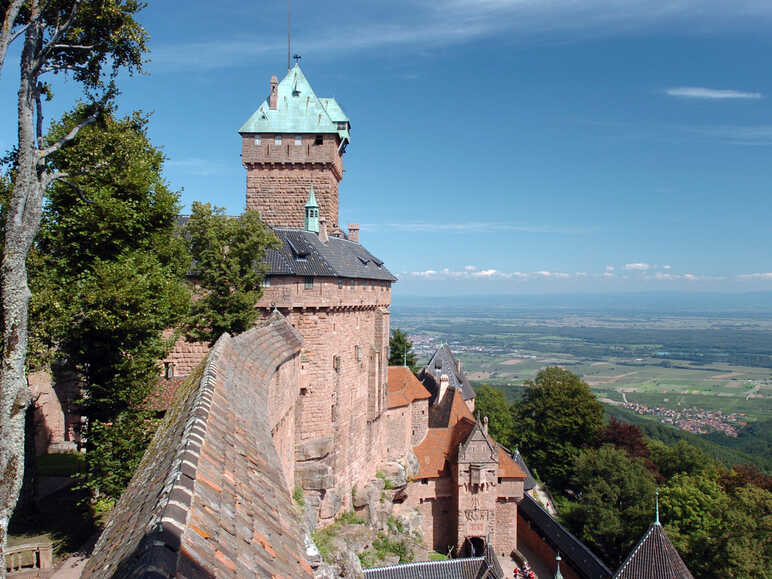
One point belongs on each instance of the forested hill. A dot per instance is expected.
(753, 444)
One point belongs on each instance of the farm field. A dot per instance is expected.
(707, 361)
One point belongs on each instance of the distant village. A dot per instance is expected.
(696, 420)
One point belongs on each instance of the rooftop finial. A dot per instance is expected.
(288, 35)
(296, 57)
(558, 574)
(656, 503)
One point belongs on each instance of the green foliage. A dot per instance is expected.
(395, 525)
(65, 464)
(387, 484)
(297, 496)
(228, 257)
(616, 501)
(107, 277)
(493, 403)
(322, 538)
(385, 546)
(401, 351)
(720, 448)
(556, 417)
(116, 451)
(692, 508)
(435, 556)
(682, 457)
(351, 518)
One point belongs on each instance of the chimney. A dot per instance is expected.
(444, 383)
(273, 98)
(485, 425)
(323, 230)
(458, 366)
(353, 232)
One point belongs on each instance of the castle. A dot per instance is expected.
(306, 404)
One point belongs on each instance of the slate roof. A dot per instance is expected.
(209, 497)
(573, 551)
(404, 387)
(443, 362)
(298, 110)
(530, 482)
(303, 254)
(654, 557)
(486, 567)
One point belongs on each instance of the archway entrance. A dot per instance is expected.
(475, 546)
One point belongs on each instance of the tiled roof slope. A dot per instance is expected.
(209, 498)
(404, 387)
(530, 482)
(578, 556)
(654, 557)
(164, 393)
(303, 254)
(485, 567)
(440, 444)
(444, 362)
(298, 110)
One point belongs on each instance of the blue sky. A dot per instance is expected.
(498, 146)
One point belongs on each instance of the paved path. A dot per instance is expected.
(73, 567)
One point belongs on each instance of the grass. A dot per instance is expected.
(387, 485)
(435, 556)
(323, 537)
(297, 496)
(383, 547)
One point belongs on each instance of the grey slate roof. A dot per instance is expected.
(654, 557)
(443, 362)
(486, 567)
(303, 254)
(573, 551)
(530, 482)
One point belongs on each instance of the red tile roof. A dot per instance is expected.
(404, 387)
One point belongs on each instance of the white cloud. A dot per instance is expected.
(666, 267)
(470, 267)
(436, 23)
(485, 273)
(609, 268)
(767, 275)
(637, 266)
(699, 92)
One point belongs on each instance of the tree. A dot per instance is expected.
(692, 508)
(493, 403)
(616, 501)
(228, 256)
(108, 277)
(401, 351)
(556, 417)
(90, 40)
(681, 457)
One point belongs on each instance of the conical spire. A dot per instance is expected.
(312, 213)
(558, 574)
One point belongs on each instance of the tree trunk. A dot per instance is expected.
(22, 223)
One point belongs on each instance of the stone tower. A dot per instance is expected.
(293, 141)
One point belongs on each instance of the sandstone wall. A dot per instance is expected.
(185, 356)
(211, 495)
(279, 178)
(419, 421)
(397, 432)
(528, 536)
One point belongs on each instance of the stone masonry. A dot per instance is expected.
(211, 496)
(280, 177)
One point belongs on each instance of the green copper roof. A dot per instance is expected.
(312, 199)
(298, 110)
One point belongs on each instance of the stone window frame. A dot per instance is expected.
(277, 139)
(258, 140)
(308, 282)
(298, 140)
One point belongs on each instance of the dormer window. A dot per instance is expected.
(298, 140)
(277, 140)
(258, 140)
(319, 140)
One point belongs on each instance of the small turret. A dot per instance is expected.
(312, 213)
